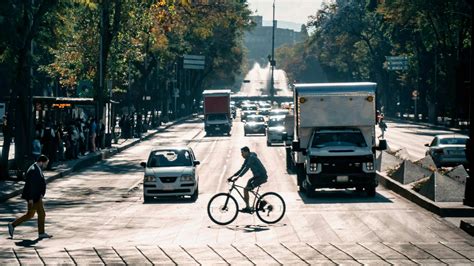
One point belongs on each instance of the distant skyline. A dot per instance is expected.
(296, 11)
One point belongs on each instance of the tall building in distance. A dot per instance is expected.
(258, 40)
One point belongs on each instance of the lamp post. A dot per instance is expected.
(272, 62)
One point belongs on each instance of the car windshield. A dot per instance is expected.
(453, 141)
(276, 122)
(278, 112)
(170, 158)
(249, 108)
(255, 119)
(214, 117)
(338, 138)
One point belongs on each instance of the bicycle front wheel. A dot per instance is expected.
(270, 208)
(222, 208)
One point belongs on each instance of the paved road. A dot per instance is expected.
(259, 78)
(411, 137)
(103, 206)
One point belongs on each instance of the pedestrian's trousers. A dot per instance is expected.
(32, 209)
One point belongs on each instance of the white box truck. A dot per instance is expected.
(334, 136)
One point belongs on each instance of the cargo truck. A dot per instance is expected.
(217, 117)
(334, 136)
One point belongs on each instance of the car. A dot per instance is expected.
(171, 171)
(275, 129)
(247, 110)
(255, 124)
(448, 150)
(275, 112)
(264, 108)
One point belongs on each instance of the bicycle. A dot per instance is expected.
(223, 207)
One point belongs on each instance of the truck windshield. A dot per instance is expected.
(215, 117)
(338, 138)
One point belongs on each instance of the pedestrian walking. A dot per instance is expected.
(33, 192)
(383, 128)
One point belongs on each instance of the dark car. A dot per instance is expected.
(448, 150)
(255, 124)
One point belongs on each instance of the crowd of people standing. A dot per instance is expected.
(60, 142)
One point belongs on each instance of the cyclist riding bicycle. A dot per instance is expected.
(259, 174)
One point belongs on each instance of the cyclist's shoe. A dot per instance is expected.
(246, 210)
(262, 205)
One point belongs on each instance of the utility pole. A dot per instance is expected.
(272, 62)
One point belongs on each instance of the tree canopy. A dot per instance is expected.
(349, 41)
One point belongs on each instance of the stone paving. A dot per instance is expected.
(372, 253)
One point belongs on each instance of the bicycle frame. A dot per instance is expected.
(235, 187)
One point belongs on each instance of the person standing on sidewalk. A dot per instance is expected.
(33, 192)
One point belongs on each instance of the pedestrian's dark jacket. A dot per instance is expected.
(254, 164)
(35, 185)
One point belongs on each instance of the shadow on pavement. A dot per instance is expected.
(170, 200)
(342, 196)
(27, 243)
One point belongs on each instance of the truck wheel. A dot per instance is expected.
(370, 191)
(300, 174)
(289, 161)
(309, 189)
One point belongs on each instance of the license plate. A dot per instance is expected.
(342, 179)
(167, 187)
(218, 128)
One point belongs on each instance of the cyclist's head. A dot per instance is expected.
(245, 151)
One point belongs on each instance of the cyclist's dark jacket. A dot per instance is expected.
(254, 164)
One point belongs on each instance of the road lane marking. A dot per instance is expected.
(221, 177)
(211, 150)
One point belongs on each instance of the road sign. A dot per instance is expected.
(397, 62)
(396, 58)
(194, 61)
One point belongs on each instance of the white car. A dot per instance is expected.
(448, 150)
(170, 171)
(275, 129)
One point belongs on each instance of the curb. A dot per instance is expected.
(94, 158)
(422, 201)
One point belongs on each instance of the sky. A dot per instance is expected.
(296, 11)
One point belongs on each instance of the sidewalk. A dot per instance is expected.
(10, 189)
(300, 253)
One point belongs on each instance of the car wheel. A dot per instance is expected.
(269, 143)
(195, 195)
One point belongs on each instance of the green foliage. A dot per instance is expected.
(350, 39)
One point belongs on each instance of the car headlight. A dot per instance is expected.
(149, 178)
(187, 178)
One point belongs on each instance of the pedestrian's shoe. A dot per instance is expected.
(246, 210)
(44, 235)
(11, 229)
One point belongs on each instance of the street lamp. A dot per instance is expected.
(272, 61)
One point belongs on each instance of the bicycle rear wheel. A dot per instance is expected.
(222, 208)
(270, 208)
